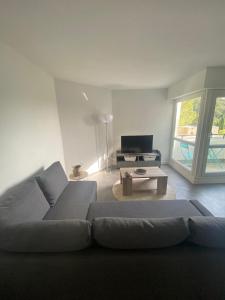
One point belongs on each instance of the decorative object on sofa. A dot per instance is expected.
(106, 119)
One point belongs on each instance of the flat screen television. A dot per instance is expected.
(136, 143)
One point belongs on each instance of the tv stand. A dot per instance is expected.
(132, 160)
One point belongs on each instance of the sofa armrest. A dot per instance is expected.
(203, 210)
(46, 236)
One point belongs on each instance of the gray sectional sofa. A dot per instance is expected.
(47, 214)
(57, 242)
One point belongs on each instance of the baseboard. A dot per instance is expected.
(209, 179)
(182, 170)
(197, 180)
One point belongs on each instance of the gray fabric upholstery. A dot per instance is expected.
(52, 182)
(74, 201)
(132, 233)
(207, 231)
(183, 272)
(204, 211)
(46, 236)
(26, 203)
(143, 209)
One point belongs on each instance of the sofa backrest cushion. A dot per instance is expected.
(74, 202)
(52, 182)
(46, 236)
(207, 231)
(131, 233)
(25, 204)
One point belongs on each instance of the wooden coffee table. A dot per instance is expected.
(151, 173)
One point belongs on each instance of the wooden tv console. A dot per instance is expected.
(136, 160)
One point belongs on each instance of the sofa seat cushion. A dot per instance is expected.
(25, 203)
(52, 182)
(133, 233)
(207, 231)
(143, 209)
(74, 201)
(46, 236)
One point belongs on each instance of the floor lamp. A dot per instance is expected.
(106, 119)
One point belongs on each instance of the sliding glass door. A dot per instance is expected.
(185, 131)
(198, 142)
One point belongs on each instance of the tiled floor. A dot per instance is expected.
(211, 195)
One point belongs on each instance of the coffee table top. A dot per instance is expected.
(151, 172)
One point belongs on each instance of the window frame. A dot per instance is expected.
(188, 172)
(212, 97)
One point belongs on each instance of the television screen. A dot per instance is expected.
(136, 144)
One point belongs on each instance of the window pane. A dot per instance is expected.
(187, 119)
(218, 128)
(183, 153)
(216, 155)
(215, 160)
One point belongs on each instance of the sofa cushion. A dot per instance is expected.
(131, 233)
(143, 209)
(25, 203)
(74, 201)
(207, 231)
(52, 182)
(46, 236)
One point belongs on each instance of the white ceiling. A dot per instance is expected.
(117, 43)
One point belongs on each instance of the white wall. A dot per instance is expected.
(191, 84)
(83, 134)
(215, 78)
(30, 135)
(209, 78)
(139, 112)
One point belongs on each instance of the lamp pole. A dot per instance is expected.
(107, 147)
(106, 119)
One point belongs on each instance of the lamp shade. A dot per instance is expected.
(106, 118)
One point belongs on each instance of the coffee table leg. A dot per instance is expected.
(127, 186)
(162, 185)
